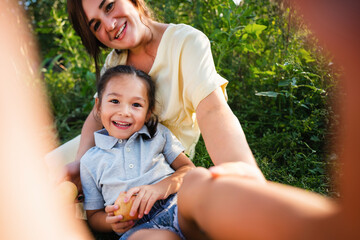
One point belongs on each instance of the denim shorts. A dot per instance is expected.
(163, 215)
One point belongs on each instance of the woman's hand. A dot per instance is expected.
(114, 221)
(146, 196)
(239, 169)
(72, 173)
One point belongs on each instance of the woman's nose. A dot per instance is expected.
(110, 24)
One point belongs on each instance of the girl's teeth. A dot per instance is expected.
(122, 124)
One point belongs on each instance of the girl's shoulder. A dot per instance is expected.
(161, 130)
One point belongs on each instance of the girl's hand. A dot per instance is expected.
(146, 197)
(114, 221)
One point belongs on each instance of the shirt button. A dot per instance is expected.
(120, 140)
(131, 165)
(128, 149)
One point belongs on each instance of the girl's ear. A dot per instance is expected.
(97, 103)
(148, 116)
(97, 109)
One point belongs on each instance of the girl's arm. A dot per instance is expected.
(222, 133)
(147, 195)
(97, 220)
(182, 164)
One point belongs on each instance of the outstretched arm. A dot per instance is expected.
(231, 207)
(223, 135)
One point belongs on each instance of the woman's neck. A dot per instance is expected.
(143, 56)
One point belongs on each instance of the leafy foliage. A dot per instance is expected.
(280, 81)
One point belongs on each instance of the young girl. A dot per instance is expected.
(132, 153)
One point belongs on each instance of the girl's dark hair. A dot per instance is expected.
(79, 21)
(150, 86)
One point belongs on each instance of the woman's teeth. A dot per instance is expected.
(120, 31)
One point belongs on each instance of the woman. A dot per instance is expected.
(191, 95)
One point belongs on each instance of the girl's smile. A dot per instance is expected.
(124, 105)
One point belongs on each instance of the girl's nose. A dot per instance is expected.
(110, 24)
(124, 111)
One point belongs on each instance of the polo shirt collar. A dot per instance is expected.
(104, 141)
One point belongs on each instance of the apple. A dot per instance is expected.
(125, 207)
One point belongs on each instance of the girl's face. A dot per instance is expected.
(115, 23)
(124, 106)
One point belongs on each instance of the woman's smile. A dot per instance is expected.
(121, 33)
(116, 24)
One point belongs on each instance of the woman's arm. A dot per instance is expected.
(224, 138)
(87, 141)
(72, 169)
(229, 207)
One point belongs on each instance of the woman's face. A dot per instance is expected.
(115, 23)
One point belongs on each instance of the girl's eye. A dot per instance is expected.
(96, 26)
(137, 105)
(114, 101)
(109, 7)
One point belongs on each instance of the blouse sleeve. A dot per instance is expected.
(198, 70)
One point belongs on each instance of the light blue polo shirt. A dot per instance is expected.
(116, 165)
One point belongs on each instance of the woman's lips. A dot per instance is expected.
(120, 34)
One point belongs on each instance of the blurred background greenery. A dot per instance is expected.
(280, 80)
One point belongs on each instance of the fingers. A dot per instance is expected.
(149, 205)
(137, 203)
(110, 209)
(146, 196)
(143, 202)
(130, 193)
(121, 227)
(112, 219)
(116, 225)
(237, 169)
